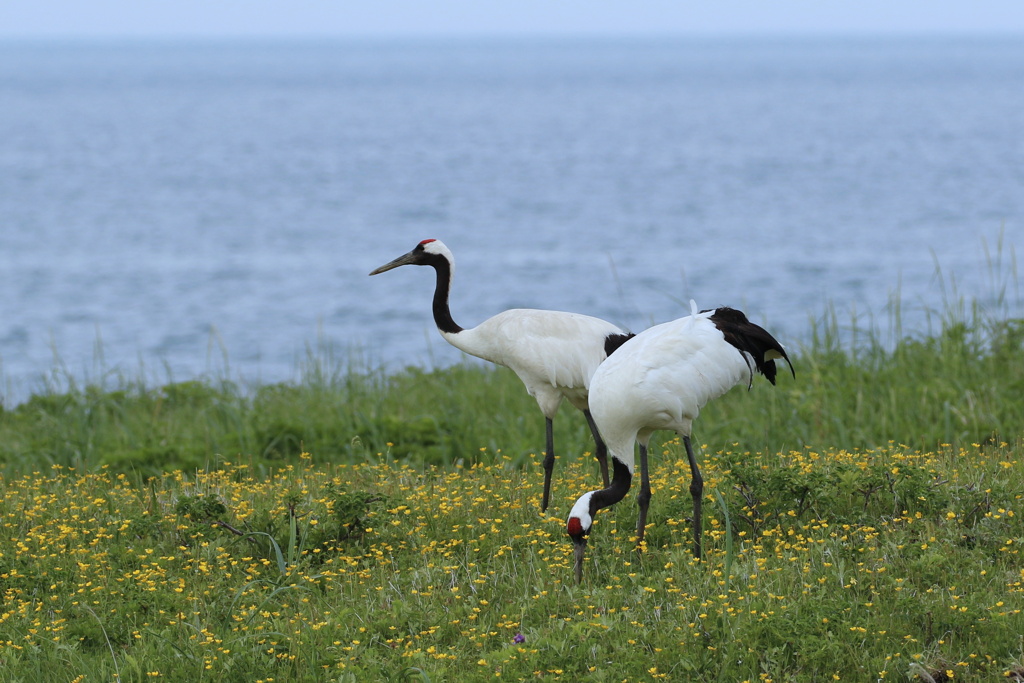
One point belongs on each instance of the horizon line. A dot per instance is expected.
(801, 34)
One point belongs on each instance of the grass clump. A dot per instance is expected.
(351, 417)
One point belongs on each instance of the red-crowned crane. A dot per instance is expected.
(660, 379)
(554, 353)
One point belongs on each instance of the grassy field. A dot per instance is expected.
(862, 522)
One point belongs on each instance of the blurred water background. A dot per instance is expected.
(182, 209)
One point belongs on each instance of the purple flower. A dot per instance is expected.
(520, 638)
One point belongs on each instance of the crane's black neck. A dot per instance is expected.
(617, 489)
(442, 314)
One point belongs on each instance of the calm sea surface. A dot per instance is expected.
(178, 209)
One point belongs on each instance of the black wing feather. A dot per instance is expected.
(613, 341)
(751, 338)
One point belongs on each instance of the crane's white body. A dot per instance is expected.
(553, 353)
(660, 379)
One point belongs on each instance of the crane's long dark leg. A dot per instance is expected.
(549, 464)
(643, 498)
(600, 450)
(697, 492)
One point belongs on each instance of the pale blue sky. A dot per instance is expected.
(170, 18)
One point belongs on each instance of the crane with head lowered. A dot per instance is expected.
(660, 379)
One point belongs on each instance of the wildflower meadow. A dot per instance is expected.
(821, 566)
(862, 523)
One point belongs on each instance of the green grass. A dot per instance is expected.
(959, 385)
(863, 522)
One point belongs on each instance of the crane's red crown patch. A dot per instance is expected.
(428, 241)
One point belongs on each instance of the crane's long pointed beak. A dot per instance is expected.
(402, 260)
(578, 549)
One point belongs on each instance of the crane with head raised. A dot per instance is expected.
(554, 353)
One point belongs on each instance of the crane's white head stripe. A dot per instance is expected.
(580, 519)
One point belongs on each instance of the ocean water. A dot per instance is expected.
(181, 209)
